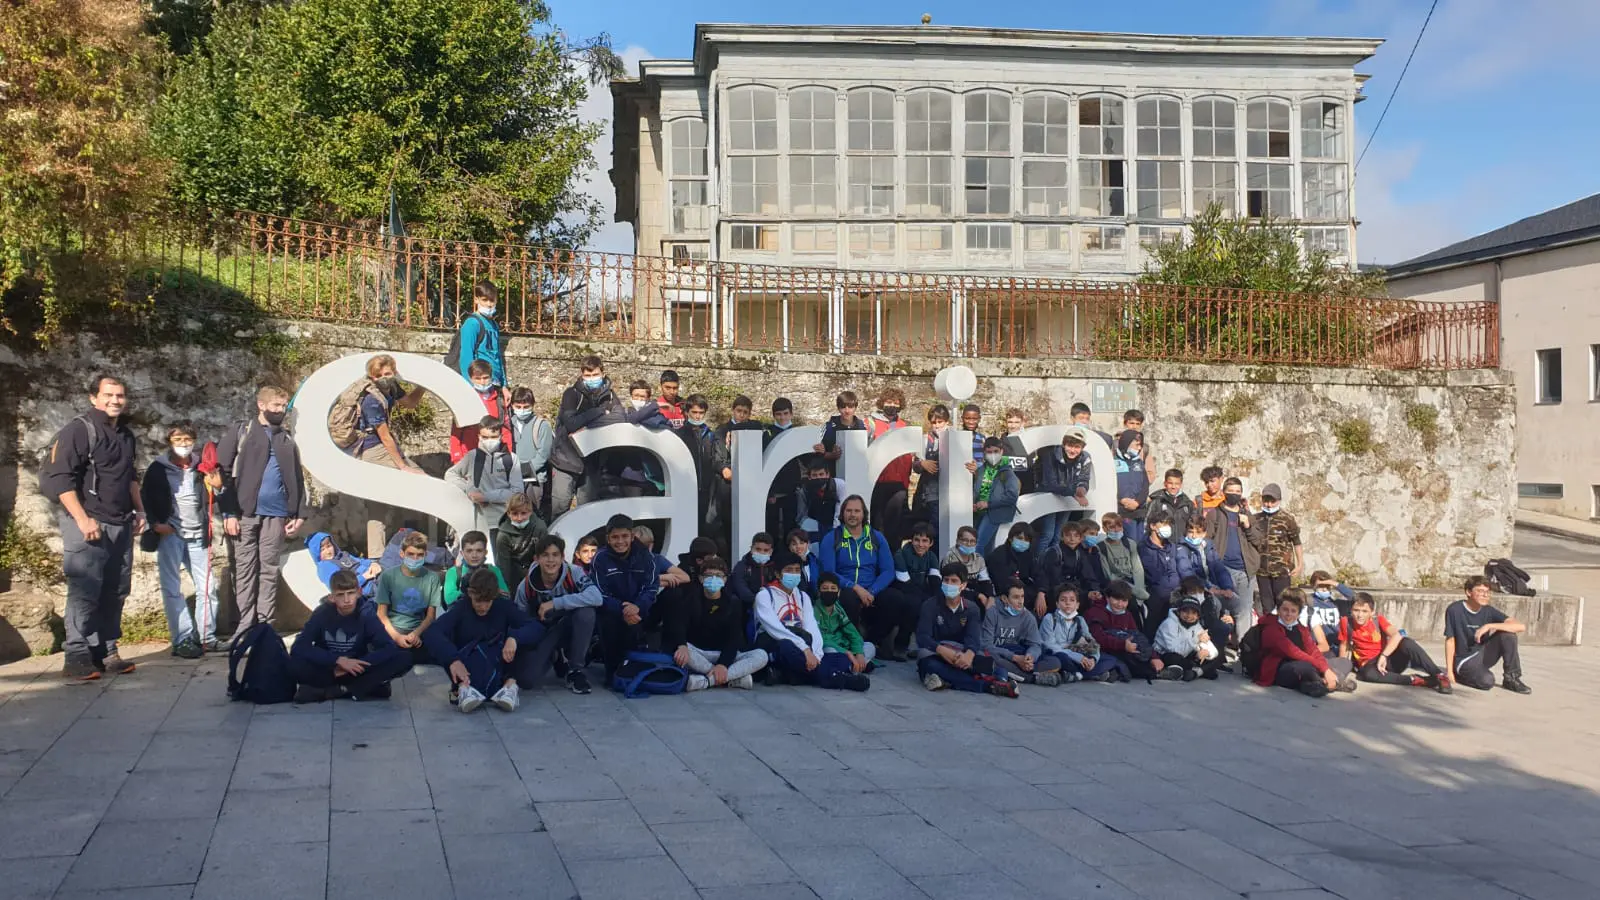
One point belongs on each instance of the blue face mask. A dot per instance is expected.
(1164, 532)
(1322, 594)
(594, 384)
(1092, 540)
(694, 421)
(966, 549)
(782, 426)
(790, 580)
(713, 583)
(950, 590)
(412, 565)
(760, 559)
(1020, 545)
(1195, 541)
(1008, 609)
(1113, 535)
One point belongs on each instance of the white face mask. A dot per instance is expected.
(487, 310)
(489, 446)
(992, 459)
(182, 451)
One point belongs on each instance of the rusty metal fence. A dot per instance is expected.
(296, 269)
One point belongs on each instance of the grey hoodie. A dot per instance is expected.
(1121, 562)
(1059, 633)
(496, 474)
(1002, 632)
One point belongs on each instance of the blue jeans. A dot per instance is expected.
(829, 673)
(1103, 663)
(173, 556)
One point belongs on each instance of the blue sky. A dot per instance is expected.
(1495, 121)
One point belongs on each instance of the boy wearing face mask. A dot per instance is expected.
(1016, 560)
(782, 496)
(638, 472)
(1277, 535)
(754, 571)
(480, 336)
(1072, 560)
(819, 498)
(892, 619)
(1066, 472)
(799, 544)
(1198, 559)
(1011, 635)
(1133, 484)
(588, 402)
(705, 628)
(410, 596)
(1160, 560)
(995, 491)
(514, 542)
(840, 635)
(1228, 530)
(889, 508)
(1121, 635)
(1067, 637)
(950, 641)
(1119, 556)
(710, 456)
(925, 509)
(262, 495)
(488, 475)
(1328, 601)
(967, 554)
(464, 438)
(532, 437)
(177, 504)
(792, 638)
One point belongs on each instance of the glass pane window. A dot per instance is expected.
(871, 240)
(1046, 124)
(988, 237)
(1322, 129)
(754, 237)
(1333, 241)
(754, 184)
(988, 187)
(929, 190)
(1100, 187)
(1547, 375)
(1045, 238)
(812, 184)
(1214, 128)
(1154, 235)
(814, 239)
(872, 185)
(988, 128)
(1267, 129)
(1323, 187)
(1102, 238)
(688, 148)
(811, 117)
(871, 112)
(928, 122)
(1160, 189)
(1216, 182)
(927, 238)
(690, 211)
(1044, 188)
(1100, 127)
(1159, 128)
(1268, 190)
(753, 118)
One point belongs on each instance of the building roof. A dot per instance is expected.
(1574, 223)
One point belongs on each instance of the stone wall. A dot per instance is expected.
(1398, 478)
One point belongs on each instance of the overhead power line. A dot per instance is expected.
(1403, 69)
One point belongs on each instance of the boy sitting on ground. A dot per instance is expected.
(793, 639)
(1477, 635)
(520, 530)
(410, 596)
(480, 645)
(839, 634)
(706, 626)
(342, 653)
(1289, 654)
(1121, 636)
(1381, 654)
(950, 641)
(1011, 635)
(1187, 651)
(1066, 636)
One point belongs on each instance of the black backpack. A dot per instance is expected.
(1506, 578)
(1250, 651)
(452, 357)
(266, 677)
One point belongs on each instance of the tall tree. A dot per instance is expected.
(1220, 251)
(468, 108)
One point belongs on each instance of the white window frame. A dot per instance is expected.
(806, 184)
(993, 188)
(687, 173)
(922, 134)
(1319, 139)
(915, 237)
(746, 193)
(1043, 238)
(926, 193)
(1324, 192)
(997, 237)
(755, 234)
(1594, 373)
(813, 120)
(815, 239)
(1259, 131)
(1260, 177)
(1099, 238)
(1052, 197)
(869, 129)
(870, 181)
(748, 130)
(1102, 171)
(1046, 124)
(1212, 163)
(994, 134)
(1541, 362)
(868, 240)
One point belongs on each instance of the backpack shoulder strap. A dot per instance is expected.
(91, 475)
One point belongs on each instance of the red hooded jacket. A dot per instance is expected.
(1276, 647)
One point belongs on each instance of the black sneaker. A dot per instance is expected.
(382, 692)
(1192, 674)
(188, 650)
(578, 681)
(1107, 677)
(857, 682)
(455, 695)
(1170, 673)
(305, 693)
(558, 664)
(1513, 683)
(80, 669)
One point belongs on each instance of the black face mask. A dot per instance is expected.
(274, 419)
(1233, 500)
(891, 412)
(828, 598)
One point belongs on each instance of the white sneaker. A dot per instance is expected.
(743, 683)
(932, 682)
(696, 683)
(506, 698)
(469, 699)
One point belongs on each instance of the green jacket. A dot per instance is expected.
(837, 632)
(455, 582)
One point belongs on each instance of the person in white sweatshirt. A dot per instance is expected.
(787, 629)
(1183, 644)
(488, 475)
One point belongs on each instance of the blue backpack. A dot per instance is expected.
(266, 677)
(643, 673)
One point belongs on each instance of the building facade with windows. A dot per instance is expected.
(977, 150)
(1543, 273)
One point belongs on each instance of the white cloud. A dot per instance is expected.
(612, 237)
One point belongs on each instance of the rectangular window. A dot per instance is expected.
(754, 183)
(1045, 238)
(1157, 131)
(928, 238)
(811, 119)
(1268, 191)
(753, 118)
(684, 254)
(1540, 491)
(812, 185)
(754, 237)
(928, 122)
(814, 239)
(1152, 235)
(690, 213)
(1594, 371)
(1103, 238)
(988, 237)
(928, 187)
(1547, 375)
(1100, 127)
(1046, 124)
(988, 186)
(871, 240)
(1333, 241)
(1044, 188)
(1323, 186)
(1322, 129)
(1216, 182)
(1160, 189)
(1267, 129)
(688, 148)
(871, 119)
(871, 185)
(1214, 131)
(1100, 187)
(988, 123)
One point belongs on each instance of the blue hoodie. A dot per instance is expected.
(867, 560)
(628, 579)
(1160, 568)
(342, 559)
(327, 635)
(453, 634)
(1203, 564)
(480, 339)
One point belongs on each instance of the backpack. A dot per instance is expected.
(644, 673)
(91, 474)
(344, 422)
(1506, 578)
(266, 677)
(452, 356)
(1250, 651)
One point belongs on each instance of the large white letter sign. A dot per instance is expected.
(679, 506)
(338, 469)
(861, 463)
(955, 485)
(755, 468)
(1102, 478)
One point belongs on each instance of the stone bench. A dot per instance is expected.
(1552, 619)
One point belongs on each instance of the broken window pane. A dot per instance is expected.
(1322, 129)
(1267, 129)
(1269, 191)
(988, 186)
(689, 209)
(1100, 187)
(1323, 187)
(1100, 126)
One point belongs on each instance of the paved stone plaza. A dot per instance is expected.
(155, 786)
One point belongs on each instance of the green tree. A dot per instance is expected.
(1220, 251)
(76, 161)
(467, 107)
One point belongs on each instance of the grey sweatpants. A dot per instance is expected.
(257, 554)
(749, 662)
(99, 576)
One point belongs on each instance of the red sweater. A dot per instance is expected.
(464, 438)
(898, 471)
(1103, 622)
(1276, 647)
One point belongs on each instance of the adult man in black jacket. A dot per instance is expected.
(90, 473)
(261, 500)
(587, 402)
